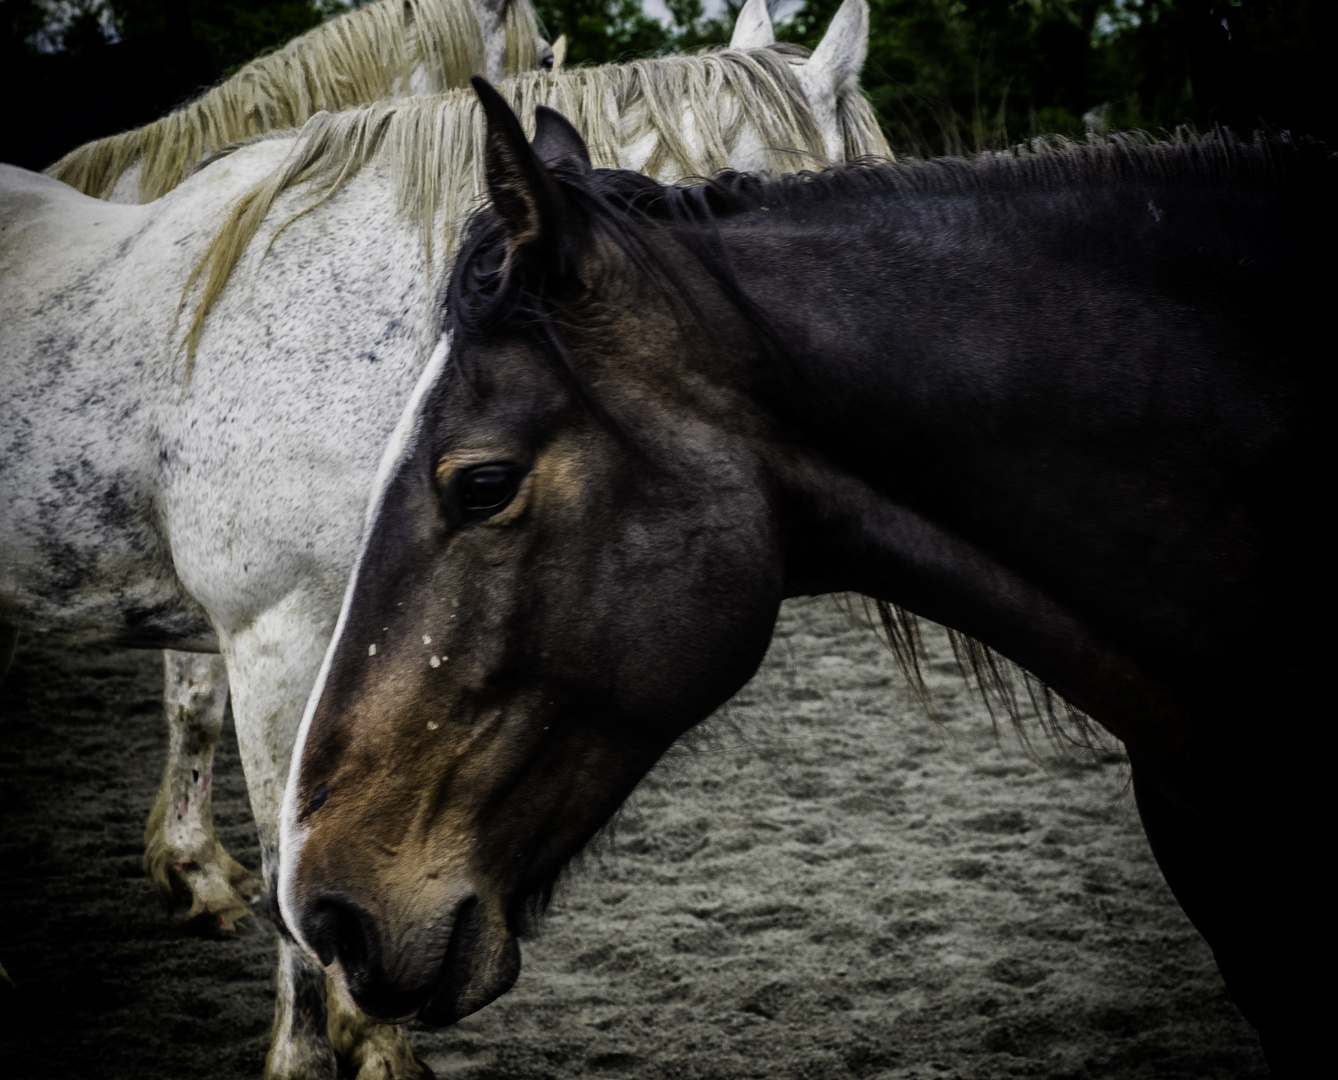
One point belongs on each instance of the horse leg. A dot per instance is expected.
(367, 1048)
(273, 664)
(181, 853)
(1235, 875)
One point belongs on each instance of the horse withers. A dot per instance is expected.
(1064, 401)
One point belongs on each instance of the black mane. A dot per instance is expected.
(488, 288)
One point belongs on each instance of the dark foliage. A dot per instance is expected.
(603, 31)
(975, 74)
(115, 64)
(944, 77)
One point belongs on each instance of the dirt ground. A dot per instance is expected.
(824, 884)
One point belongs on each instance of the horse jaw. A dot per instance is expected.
(835, 62)
(753, 29)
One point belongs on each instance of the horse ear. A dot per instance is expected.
(559, 53)
(556, 140)
(753, 29)
(840, 54)
(523, 194)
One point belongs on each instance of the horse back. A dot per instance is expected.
(85, 314)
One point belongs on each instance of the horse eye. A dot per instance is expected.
(488, 487)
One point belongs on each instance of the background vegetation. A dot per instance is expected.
(949, 76)
(946, 76)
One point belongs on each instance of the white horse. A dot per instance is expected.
(387, 49)
(213, 495)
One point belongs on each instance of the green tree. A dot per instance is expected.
(954, 76)
(82, 69)
(234, 31)
(605, 31)
(945, 76)
(602, 31)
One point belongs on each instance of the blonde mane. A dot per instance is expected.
(433, 147)
(363, 56)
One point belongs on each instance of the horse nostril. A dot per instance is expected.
(340, 930)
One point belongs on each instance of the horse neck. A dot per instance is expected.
(1012, 414)
(920, 329)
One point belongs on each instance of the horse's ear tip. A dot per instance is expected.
(487, 93)
(556, 138)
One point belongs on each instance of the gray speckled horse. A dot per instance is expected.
(172, 480)
(387, 49)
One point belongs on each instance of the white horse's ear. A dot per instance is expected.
(559, 52)
(753, 29)
(840, 54)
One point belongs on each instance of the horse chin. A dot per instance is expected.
(476, 968)
(467, 984)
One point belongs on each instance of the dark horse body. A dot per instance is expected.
(1067, 404)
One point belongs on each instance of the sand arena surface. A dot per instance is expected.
(823, 884)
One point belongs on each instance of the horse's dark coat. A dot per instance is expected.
(1067, 403)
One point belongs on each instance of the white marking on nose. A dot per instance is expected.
(371, 650)
(435, 662)
(431, 725)
(427, 640)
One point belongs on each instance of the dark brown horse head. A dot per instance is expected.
(537, 614)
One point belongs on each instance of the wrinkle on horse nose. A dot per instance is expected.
(338, 929)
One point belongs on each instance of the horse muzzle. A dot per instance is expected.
(449, 966)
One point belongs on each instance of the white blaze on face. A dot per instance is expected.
(402, 442)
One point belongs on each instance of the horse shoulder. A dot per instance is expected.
(302, 372)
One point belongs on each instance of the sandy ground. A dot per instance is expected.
(824, 884)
